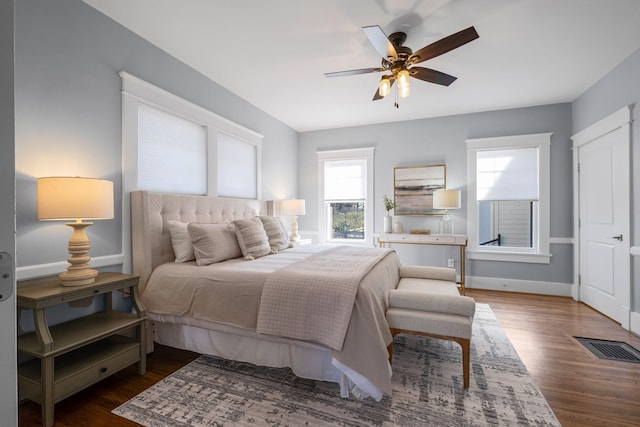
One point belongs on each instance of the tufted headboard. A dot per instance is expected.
(150, 239)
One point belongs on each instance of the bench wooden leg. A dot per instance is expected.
(394, 332)
(466, 359)
(465, 345)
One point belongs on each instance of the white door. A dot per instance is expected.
(604, 201)
(8, 389)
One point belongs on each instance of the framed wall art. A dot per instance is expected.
(413, 188)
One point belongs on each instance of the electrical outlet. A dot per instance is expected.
(451, 262)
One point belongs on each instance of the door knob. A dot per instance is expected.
(618, 237)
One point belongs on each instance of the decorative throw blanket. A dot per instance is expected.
(312, 299)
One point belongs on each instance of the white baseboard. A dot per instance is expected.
(634, 322)
(52, 268)
(515, 285)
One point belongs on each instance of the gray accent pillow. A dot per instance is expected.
(277, 234)
(252, 238)
(213, 242)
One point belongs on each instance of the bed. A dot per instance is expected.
(233, 308)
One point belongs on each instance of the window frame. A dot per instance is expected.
(539, 254)
(346, 154)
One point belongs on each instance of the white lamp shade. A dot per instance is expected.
(72, 198)
(292, 207)
(447, 199)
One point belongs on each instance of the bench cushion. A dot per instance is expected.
(429, 286)
(432, 302)
(448, 325)
(424, 272)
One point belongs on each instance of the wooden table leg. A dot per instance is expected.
(46, 370)
(462, 272)
(142, 329)
(46, 365)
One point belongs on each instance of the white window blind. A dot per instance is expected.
(345, 180)
(171, 153)
(510, 174)
(237, 167)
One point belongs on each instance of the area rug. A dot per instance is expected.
(427, 391)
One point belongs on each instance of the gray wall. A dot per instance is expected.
(442, 141)
(68, 107)
(68, 122)
(617, 89)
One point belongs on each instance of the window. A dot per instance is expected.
(172, 153)
(238, 167)
(508, 198)
(173, 145)
(346, 185)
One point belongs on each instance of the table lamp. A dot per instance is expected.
(293, 208)
(77, 199)
(446, 199)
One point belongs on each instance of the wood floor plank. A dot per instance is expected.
(581, 389)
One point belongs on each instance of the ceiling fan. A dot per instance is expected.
(399, 61)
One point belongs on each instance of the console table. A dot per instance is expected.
(459, 240)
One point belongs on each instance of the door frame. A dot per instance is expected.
(8, 332)
(616, 120)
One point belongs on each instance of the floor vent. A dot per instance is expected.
(611, 350)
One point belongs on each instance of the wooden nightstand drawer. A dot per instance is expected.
(80, 368)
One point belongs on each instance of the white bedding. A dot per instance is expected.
(213, 292)
(219, 304)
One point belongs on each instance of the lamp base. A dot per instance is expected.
(446, 225)
(78, 278)
(294, 237)
(79, 272)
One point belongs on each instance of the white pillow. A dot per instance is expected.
(252, 238)
(278, 238)
(213, 242)
(181, 241)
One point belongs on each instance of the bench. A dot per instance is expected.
(427, 302)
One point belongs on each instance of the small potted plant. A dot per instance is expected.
(388, 205)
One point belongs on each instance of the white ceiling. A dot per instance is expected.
(273, 53)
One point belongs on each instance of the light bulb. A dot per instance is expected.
(403, 83)
(385, 86)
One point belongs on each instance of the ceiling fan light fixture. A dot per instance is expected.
(399, 60)
(385, 86)
(403, 83)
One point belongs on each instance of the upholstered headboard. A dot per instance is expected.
(151, 242)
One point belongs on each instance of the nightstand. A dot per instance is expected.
(73, 355)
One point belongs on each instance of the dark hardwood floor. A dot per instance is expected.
(581, 389)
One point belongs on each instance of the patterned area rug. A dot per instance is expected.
(427, 391)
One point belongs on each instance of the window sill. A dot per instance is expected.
(509, 256)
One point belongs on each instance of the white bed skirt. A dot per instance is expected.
(306, 360)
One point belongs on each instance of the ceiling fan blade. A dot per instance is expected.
(377, 95)
(444, 45)
(353, 72)
(431, 76)
(381, 42)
